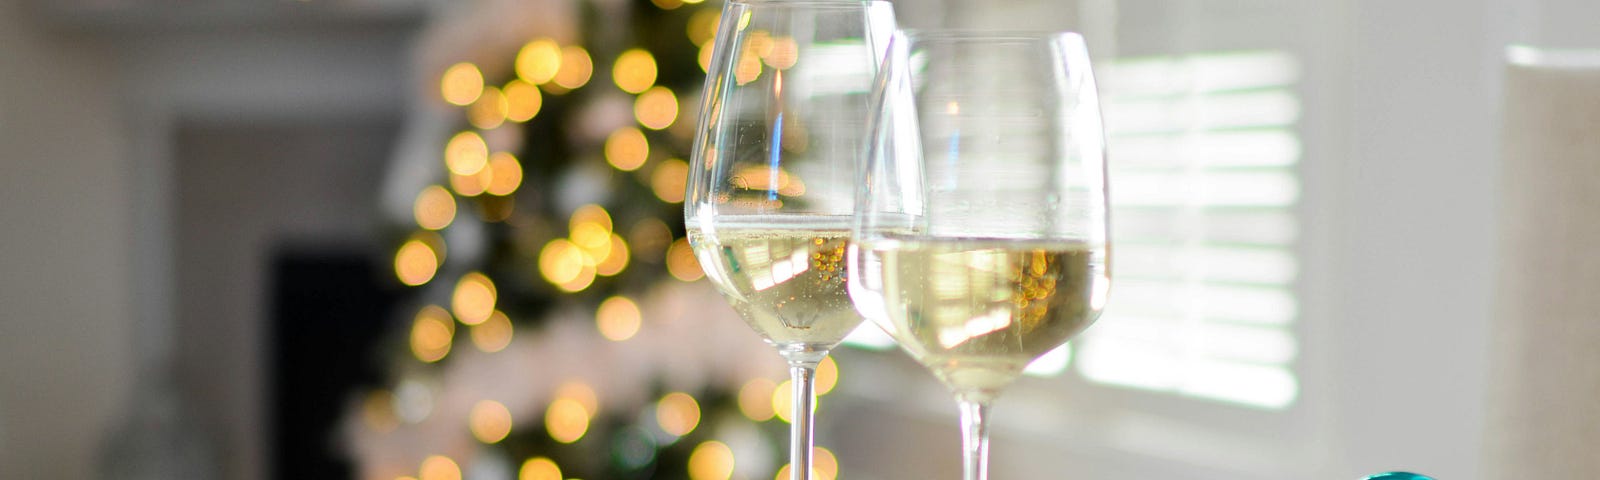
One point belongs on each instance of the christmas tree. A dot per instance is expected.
(559, 328)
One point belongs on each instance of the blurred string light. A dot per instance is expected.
(461, 84)
(756, 400)
(435, 208)
(634, 70)
(703, 26)
(580, 392)
(618, 318)
(656, 108)
(489, 421)
(474, 298)
(783, 401)
(439, 467)
(681, 262)
(627, 149)
(677, 413)
(466, 153)
(827, 376)
(783, 54)
(539, 468)
(415, 263)
(711, 460)
(490, 110)
(472, 185)
(505, 174)
(824, 466)
(576, 68)
(566, 420)
(523, 100)
(432, 333)
(494, 334)
(669, 180)
(538, 61)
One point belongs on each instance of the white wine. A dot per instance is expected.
(787, 279)
(976, 312)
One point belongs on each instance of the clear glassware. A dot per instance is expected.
(782, 131)
(981, 238)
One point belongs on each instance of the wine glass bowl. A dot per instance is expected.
(980, 238)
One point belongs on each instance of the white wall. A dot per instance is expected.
(66, 359)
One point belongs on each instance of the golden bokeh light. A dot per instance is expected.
(590, 214)
(650, 238)
(566, 420)
(576, 67)
(703, 27)
(580, 392)
(474, 184)
(627, 149)
(681, 262)
(824, 466)
(677, 414)
(656, 108)
(494, 334)
(466, 153)
(711, 460)
(783, 54)
(505, 174)
(616, 260)
(489, 421)
(692, 2)
(827, 376)
(755, 399)
(560, 261)
(539, 468)
(783, 401)
(432, 333)
(523, 101)
(594, 240)
(439, 467)
(435, 208)
(704, 58)
(759, 177)
(634, 70)
(670, 179)
(759, 43)
(584, 278)
(415, 263)
(618, 318)
(748, 69)
(667, 4)
(474, 298)
(490, 109)
(538, 61)
(461, 84)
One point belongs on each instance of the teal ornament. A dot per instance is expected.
(1398, 476)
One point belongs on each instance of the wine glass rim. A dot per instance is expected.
(810, 3)
(990, 35)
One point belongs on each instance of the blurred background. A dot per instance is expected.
(384, 239)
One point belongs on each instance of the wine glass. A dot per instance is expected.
(782, 130)
(980, 239)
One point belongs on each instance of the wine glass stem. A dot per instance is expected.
(975, 439)
(804, 376)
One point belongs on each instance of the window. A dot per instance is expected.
(1203, 154)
